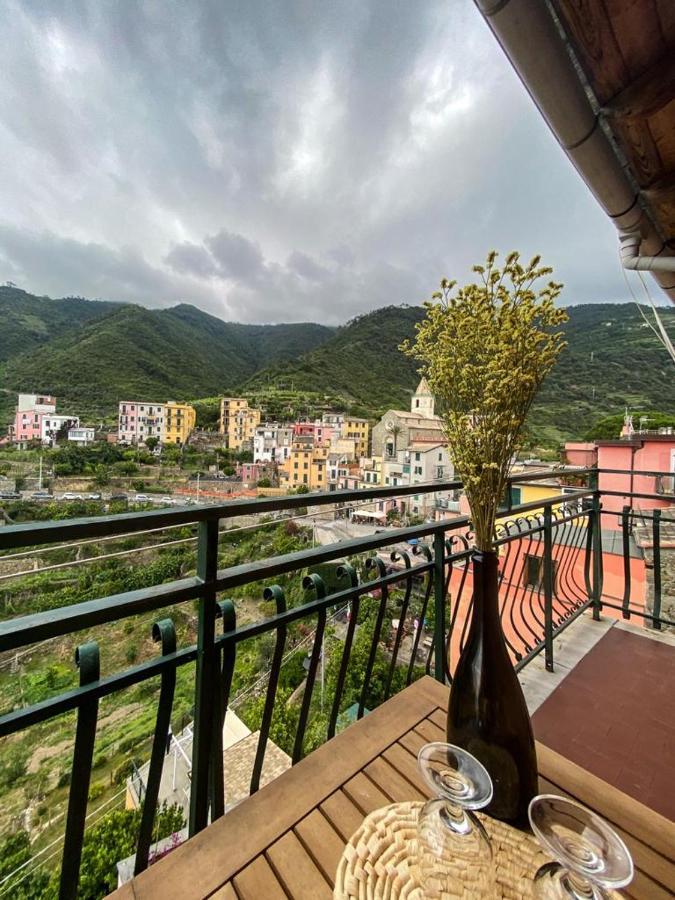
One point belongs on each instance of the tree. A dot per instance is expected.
(609, 427)
(151, 442)
(485, 351)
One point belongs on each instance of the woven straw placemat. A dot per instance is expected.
(380, 861)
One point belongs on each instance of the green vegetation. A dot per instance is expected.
(110, 840)
(609, 427)
(127, 351)
(91, 355)
(361, 362)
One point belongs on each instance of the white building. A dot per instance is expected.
(272, 443)
(139, 420)
(52, 423)
(82, 435)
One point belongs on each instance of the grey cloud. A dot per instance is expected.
(306, 267)
(266, 161)
(191, 259)
(238, 257)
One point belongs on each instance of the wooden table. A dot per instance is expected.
(286, 840)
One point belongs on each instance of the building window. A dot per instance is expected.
(417, 403)
(417, 457)
(533, 572)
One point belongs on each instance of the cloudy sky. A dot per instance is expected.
(284, 161)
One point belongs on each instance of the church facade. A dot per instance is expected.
(397, 428)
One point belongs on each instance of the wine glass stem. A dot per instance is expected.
(579, 887)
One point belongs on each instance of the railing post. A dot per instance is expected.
(656, 545)
(206, 687)
(548, 589)
(625, 532)
(440, 662)
(87, 659)
(597, 547)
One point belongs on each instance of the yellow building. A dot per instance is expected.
(525, 492)
(179, 422)
(358, 430)
(306, 465)
(238, 422)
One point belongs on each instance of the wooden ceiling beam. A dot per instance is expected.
(663, 187)
(647, 94)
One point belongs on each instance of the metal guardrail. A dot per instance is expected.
(551, 571)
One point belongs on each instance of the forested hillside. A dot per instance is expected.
(129, 351)
(91, 354)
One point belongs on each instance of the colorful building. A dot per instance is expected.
(30, 408)
(82, 435)
(639, 455)
(357, 430)
(179, 422)
(238, 422)
(138, 420)
(53, 424)
(398, 428)
(272, 442)
(307, 465)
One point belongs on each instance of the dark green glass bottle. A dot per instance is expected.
(487, 714)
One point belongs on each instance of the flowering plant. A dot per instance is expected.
(485, 349)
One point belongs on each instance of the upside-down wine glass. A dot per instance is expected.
(455, 855)
(591, 860)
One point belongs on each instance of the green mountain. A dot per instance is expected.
(361, 362)
(612, 360)
(129, 351)
(29, 321)
(91, 354)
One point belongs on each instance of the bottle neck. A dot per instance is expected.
(485, 587)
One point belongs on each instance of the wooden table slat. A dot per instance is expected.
(364, 794)
(255, 881)
(391, 782)
(322, 842)
(612, 804)
(297, 871)
(406, 763)
(343, 814)
(429, 731)
(226, 892)
(439, 717)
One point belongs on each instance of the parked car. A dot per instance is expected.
(10, 495)
(92, 496)
(118, 497)
(41, 495)
(142, 498)
(70, 496)
(168, 500)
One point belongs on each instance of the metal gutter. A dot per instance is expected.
(529, 34)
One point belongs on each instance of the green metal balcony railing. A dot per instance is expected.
(551, 571)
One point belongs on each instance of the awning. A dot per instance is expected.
(370, 514)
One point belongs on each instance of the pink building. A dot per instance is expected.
(634, 454)
(320, 432)
(138, 420)
(30, 409)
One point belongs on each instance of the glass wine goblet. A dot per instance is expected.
(454, 851)
(591, 860)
